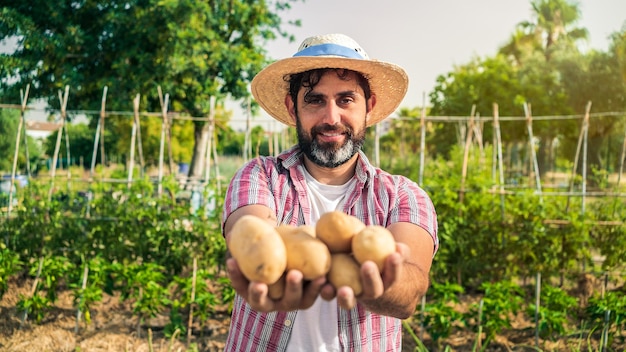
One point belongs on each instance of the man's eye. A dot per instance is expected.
(313, 100)
(346, 100)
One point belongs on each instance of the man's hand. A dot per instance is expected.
(298, 294)
(374, 283)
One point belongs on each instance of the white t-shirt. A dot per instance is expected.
(315, 329)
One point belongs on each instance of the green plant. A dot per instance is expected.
(149, 291)
(35, 305)
(607, 311)
(554, 311)
(85, 298)
(176, 326)
(9, 265)
(440, 314)
(53, 271)
(500, 302)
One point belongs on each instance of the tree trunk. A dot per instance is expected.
(201, 135)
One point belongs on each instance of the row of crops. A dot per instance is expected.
(163, 256)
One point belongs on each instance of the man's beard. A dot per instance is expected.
(329, 155)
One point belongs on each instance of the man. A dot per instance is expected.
(331, 92)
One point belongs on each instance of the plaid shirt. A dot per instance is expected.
(377, 198)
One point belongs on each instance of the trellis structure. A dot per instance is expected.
(471, 134)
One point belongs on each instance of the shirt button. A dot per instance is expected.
(287, 322)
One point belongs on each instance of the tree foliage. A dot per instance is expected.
(9, 122)
(193, 49)
(540, 72)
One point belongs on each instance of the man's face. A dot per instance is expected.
(330, 119)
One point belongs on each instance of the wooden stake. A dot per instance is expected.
(82, 296)
(164, 128)
(67, 143)
(584, 170)
(131, 162)
(33, 289)
(581, 138)
(57, 147)
(496, 128)
(531, 141)
(96, 141)
(468, 141)
(537, 303)
(208, 147)
(24, 136)
(193, 298)
(18, 135)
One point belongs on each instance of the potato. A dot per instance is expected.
(345, 271)
(305, 253)
(258, 249)
(336, 229)
(373, 243)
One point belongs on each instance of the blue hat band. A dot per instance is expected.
(329, 49)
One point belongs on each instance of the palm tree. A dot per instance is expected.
(553, 24)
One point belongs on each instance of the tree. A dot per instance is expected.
(596, 77)
(552, 29)
(9, 121)
(480, 83)
(193, 49)
(532, 47)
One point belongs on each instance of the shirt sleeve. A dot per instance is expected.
(415, 206)
(249, 185)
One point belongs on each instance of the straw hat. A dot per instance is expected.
(387, 81)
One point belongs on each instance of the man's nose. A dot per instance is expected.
(332, 113)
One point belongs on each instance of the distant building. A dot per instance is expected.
(41, 129)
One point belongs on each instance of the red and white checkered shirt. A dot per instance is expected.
(377, 198)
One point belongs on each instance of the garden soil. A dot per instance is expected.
(114, 328)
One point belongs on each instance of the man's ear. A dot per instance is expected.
(291, 107)
(371, 102)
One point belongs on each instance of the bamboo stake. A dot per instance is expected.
(621, 161)
(82, 296)
(479, 338)
(468, 142)
(478, 135)
(164, 127)
(584, 170)
(67, 145)
(422, 138)
(24, 136)
(131, 161)
(498, 137)
(16, 154)
(531, 138)
(579, 146)
(537, 302)
(142, 164)
(96, 141)
(217, 165)
(193, 297)
(57, 146)
(33, 290)
(621, 170)
(208, 147)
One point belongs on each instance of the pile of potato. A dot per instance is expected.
(335, 247)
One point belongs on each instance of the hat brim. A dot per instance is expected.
(388, 82)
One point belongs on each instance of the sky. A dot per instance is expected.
(427, 37)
